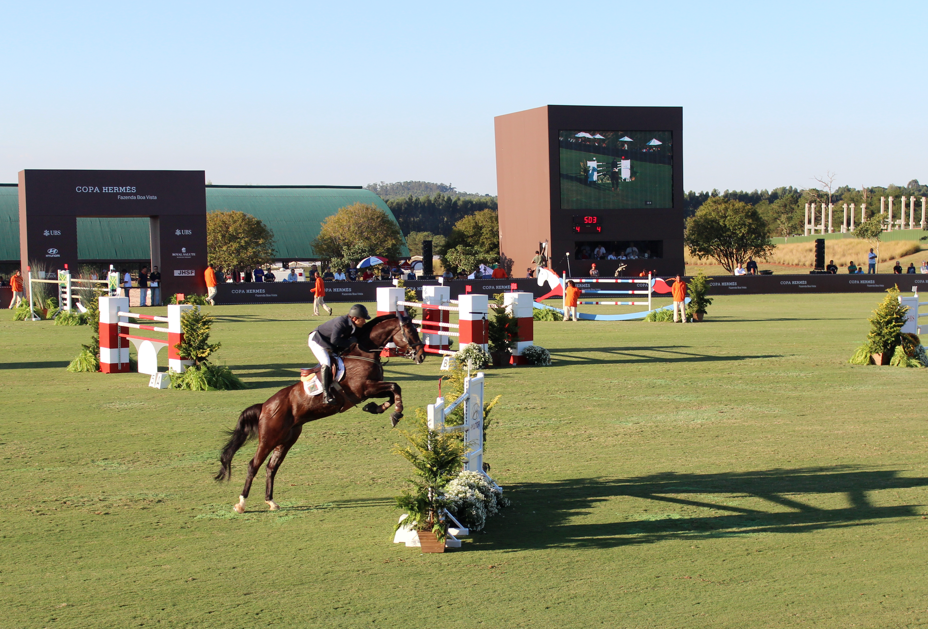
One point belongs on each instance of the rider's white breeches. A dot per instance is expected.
(321, 354)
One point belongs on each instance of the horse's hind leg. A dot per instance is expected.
(280, 452)
(264, 449)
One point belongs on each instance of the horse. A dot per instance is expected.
(278, 422)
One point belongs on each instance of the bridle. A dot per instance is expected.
(412, 349)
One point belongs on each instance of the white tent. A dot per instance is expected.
(599, 137)
(655, 142)
(626, 139)
(583, 134)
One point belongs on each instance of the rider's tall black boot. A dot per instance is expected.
(327, 384)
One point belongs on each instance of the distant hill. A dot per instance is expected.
(416, 189)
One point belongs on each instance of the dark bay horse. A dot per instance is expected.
(278, 422)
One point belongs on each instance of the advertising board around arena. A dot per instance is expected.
(299, 292)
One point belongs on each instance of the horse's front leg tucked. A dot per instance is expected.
(389, 390)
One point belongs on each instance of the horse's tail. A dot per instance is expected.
(246, 429)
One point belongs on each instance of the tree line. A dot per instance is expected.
(783, 209)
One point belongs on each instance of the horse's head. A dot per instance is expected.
(407, 339)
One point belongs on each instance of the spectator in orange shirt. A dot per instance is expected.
(16, 283)
(678, 290)
(210, 276)
(319, 292)
(570, 300)
(498, 272)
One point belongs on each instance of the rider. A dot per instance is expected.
(335, 335)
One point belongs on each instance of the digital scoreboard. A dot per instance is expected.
(588, 224)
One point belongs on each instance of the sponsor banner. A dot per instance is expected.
(299, 292)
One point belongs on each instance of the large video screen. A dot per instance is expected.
(616, 170)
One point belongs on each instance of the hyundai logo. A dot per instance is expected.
(52, 251)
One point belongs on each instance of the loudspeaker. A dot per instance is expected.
(427, 257)
(819, 253)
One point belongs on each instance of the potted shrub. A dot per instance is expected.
(436, 459)
(501, 332)
(697, 289)
(886, 327)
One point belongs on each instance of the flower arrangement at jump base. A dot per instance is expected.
(473, 355)
(472, 499)
(436, 459)
(886, 344)
(441, 486)
(202, 375)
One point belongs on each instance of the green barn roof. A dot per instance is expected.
(294, 213)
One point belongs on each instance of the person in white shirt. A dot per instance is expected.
(739, 270)
(924, 268)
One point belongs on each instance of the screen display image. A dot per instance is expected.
(615, 170)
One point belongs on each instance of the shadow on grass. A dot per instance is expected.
(39, 364)
(549, 515)
(570, 357)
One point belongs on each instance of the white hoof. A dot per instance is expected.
(272, 505)
(239, 507)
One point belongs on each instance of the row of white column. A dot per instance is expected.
(815, 216)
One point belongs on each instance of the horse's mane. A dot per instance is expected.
(364, 334)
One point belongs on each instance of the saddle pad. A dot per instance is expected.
(312, 385)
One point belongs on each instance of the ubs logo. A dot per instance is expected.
(52, 232)
(183, 232)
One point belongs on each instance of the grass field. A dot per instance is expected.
(734, 473)
(651, 188)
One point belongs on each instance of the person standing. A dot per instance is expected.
(751, 267)
(499, 273)
(126, 283)
(594, 272)
(143, 287)
(832, 267)
(871, 263)
(211, 283)
(154, 281)
(259, 274)
(319, 291)
(570, 300)
(16, 283)
(678, 290)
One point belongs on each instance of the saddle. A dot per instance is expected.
(312, 383)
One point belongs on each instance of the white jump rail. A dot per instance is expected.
(616, 280)
(435, 325)
(66, 297)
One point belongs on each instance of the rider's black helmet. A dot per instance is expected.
(358, 310)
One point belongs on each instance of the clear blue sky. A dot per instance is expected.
(351, 93)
